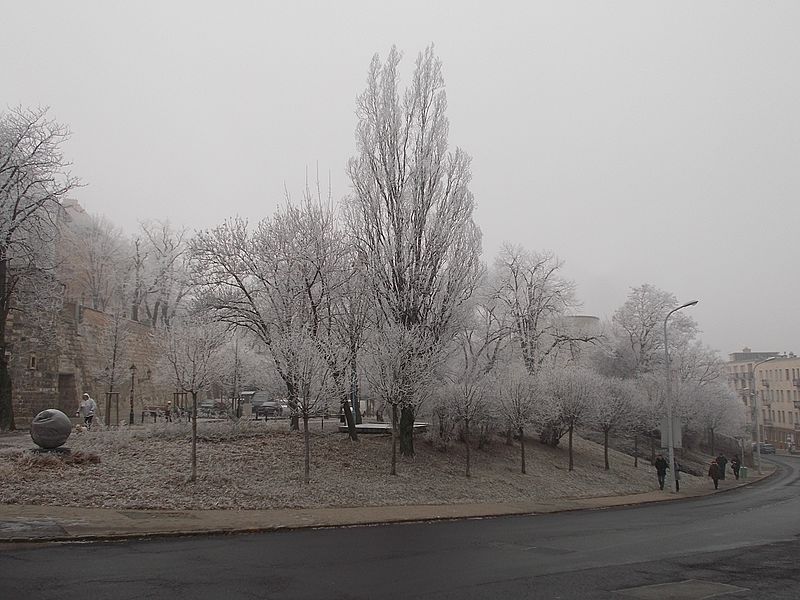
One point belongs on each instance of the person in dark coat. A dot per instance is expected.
(736, 464)
(713, 472)
(677, 470)
(721, 462)
(661, 470)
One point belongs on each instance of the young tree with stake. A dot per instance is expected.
(308, 365)
(191, 350)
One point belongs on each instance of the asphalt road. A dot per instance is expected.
(742, 543)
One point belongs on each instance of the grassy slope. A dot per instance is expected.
(256, 465)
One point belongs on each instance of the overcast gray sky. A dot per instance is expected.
(652, 142)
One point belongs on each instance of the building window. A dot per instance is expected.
(32, 362)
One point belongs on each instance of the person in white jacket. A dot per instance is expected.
(87, 408)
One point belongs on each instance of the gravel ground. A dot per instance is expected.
(257, 465)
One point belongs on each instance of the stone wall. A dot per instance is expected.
(53, 370)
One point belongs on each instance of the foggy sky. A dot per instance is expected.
(642, 142)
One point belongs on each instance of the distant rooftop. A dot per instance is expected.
(747, 355)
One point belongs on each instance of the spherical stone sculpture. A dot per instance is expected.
(50, 429)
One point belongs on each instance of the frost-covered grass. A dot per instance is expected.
(250, 465)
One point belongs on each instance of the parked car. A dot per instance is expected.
(270, 408)
(765, 448)
(264, 406)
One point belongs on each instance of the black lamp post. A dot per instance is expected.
(133, 382)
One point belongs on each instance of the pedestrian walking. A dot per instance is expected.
(677, 470)
(736, 464)
(713, 472)
(87, 409)
(661, 470)
(721, 462)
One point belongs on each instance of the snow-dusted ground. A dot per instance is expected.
(260, 465)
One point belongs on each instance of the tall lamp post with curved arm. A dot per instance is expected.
(756, 410)
(671, 442)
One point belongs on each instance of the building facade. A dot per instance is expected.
(74, 356)
(774, 388)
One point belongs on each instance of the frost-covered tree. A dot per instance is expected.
(640, 322)
(114, 345)
(94, 261)
(306, 362)
(467, 393)
(34, 179)
(649, 408)
(162, 272)
(519, 397)
(191, 351)
(351, 318)
(574, 392)
(478, 347)
(284, 275)
(711, 409)
(411, 211)
(696, 362)
(400, 368)
(613, 409)
(536, 297)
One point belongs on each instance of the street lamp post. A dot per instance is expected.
(133, 383)
(671, 442)
(756, 410)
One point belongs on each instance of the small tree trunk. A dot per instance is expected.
(307, 444)
(354, 389)
(394, 440)
(605, 447)
(522, 448)
(466, 442)
(509, 437)
(407, 431)
(571, 462)
(635, 449)
(652, 449)
(711, 431)
(294, 414)
(194, 436)
(348, 417)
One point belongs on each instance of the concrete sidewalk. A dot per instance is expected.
(26, 523)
